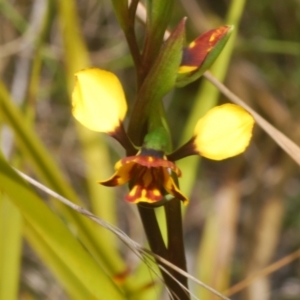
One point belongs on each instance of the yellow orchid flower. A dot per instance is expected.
(99, 104)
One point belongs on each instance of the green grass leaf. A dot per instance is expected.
(10, 248)
(56, 235)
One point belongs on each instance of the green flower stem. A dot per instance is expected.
(160, 80)
(130, 35)
(158, 137)
(152, 230)
(176, 253)
(159, 13)
(155, 239)
(126, 19)
(11, 225)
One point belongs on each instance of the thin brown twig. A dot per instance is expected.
(262, 273)
(130, 34)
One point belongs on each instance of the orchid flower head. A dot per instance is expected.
(100, 105)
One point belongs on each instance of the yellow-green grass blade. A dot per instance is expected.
(56, 235)
(147, 281)
(10, 248)
(71, 284)
(31, 145)
(8, 10)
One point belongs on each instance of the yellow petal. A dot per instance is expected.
(224, 131)
(98, 100)
(121, 176)
(172, 188)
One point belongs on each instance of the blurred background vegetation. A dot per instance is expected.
(244, 212)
